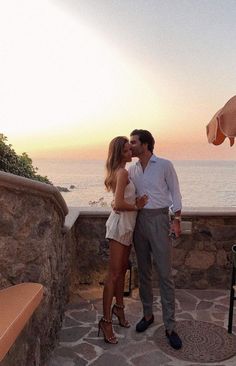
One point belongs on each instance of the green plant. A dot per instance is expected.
(11, 162)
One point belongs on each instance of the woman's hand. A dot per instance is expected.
(141, 201)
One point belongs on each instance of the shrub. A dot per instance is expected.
(21, 165)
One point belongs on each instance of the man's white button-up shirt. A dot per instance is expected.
(159, 182)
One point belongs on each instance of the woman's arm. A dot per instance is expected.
(121, 182)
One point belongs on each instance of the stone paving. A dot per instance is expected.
(79, 344)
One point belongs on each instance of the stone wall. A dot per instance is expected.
(92, 248)
(35, 247)
(201, 258)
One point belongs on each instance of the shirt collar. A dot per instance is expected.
(153, 159)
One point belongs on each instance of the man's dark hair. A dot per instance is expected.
(145, 137)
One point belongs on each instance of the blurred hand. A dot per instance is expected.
(113, 207)
(141, 201)
(176, 228)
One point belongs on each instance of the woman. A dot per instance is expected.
(119, 231)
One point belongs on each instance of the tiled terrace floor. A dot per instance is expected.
(80, 346)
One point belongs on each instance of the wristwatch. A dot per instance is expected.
(177, 218)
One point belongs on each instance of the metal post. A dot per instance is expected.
(232, 295)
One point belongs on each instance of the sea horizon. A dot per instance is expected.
(203, 183)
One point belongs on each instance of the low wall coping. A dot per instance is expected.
(71, 217)
(27, 185)
(186, 212)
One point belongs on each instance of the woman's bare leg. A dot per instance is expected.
(119, 290)
(116, 262)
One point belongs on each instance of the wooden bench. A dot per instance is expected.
(17, 304)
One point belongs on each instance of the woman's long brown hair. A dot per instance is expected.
(114, 160)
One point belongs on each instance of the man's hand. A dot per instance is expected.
(176, 228)
(141, 201)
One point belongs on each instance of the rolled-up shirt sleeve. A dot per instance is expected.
(173, 185)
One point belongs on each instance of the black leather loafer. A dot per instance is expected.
(174, 340)
(143, 324)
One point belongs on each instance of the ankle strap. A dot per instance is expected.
(106, 320)
(119, 306)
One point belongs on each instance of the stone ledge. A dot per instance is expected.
(71, 217)
(186, 212)
(94, 211)
(209, 211)
(16, 182)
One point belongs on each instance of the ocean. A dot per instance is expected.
(202, 183)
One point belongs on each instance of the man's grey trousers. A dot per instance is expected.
(151, 238)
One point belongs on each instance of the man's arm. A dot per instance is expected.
(173, 184)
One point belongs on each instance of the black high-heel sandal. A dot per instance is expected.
(122, 321)
(112, 339)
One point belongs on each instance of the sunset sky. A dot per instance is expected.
(76, 73)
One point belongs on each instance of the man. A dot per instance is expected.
(156, 178)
